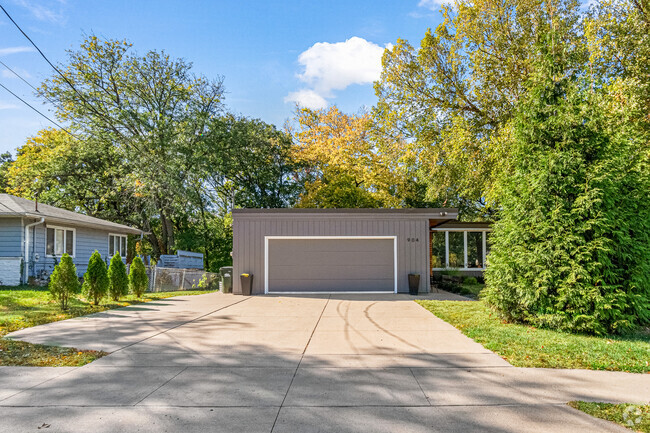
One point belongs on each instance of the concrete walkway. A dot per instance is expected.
(225, 363)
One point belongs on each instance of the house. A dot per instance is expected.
(34, 235)
(352, 250)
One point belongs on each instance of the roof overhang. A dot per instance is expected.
(408, 213)
(107, 226)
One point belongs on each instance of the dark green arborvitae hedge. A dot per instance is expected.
(95, 284)
(64, 282)
(571, 250)
(138, 280)
(118, 279)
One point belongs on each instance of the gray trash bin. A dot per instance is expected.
(226, 279)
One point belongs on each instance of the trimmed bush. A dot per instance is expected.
(96, 282)
(64, 281)
(118, 280)
(138, 280)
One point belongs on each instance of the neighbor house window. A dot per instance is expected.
(117, 244)
(461, 249)
(60, 240)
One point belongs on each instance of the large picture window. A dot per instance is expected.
(60, 240)
(460, 249)
(117, 244)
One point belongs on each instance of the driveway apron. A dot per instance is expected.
(329, 363)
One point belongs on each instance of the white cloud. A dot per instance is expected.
(15, 50)
(335, 66)
(434, 5)
(6, 73)
(307, 98)
(6, 106)
(53, 13)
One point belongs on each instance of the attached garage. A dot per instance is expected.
(333, 250)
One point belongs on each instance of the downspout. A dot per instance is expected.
(26, 267)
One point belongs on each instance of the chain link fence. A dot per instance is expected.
(172, 279)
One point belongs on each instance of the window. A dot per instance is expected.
(474, 249)
(60, 240)
(438, 255)
(459, 249)
(456, 250)
(117, 243)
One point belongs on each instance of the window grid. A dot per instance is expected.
(59, 241)
(465, 232)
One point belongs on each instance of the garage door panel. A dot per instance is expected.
(301, 258)
(329, 245)
(328, 285)
(312, 265)
(291, 272)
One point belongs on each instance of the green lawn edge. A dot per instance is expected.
(526, 346)
(635, 417)
(24, 307)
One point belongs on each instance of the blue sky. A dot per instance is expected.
(271, 54)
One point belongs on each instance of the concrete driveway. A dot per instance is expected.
(355, 363)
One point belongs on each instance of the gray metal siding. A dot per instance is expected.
(412, 240)
(11, 238)
(331, 265)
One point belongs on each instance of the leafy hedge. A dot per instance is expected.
(571, 250)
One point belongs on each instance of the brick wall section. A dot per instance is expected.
(10, 271)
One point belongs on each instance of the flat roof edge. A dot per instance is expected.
(343, 211)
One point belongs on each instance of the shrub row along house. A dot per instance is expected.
(34, 235)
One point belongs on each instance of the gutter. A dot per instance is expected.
(26, 267)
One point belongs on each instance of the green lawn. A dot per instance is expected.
(634, 417)
(525, 346)
(22, 307)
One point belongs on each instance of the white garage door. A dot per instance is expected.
(330, 264)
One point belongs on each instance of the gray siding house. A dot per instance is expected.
(347, 250)
(33, 236)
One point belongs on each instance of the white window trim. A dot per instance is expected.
(266, 259)
(465, 231)
(74, 240)
(108, 244)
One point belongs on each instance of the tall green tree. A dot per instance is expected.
(248, 163)
(571, 249)
(96, 282)
(151, 110)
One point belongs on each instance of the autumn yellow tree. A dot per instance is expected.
(74, 173)
(34, 170)
(345, 166)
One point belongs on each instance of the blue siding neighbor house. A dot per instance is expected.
(33, 236)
